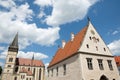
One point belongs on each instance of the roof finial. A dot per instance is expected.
(88, 18)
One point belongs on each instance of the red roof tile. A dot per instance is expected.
(117, 60)
(71, 47)
(23, 70)
(29, 62)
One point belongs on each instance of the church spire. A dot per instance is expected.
(14, 45)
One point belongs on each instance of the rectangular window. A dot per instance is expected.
(48, 73)
(57, 71)
(52, 72)
(89, 63)
(100, 63)
(64, 68)
(10, 59)
(110, 64)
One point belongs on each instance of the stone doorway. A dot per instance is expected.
(103, 77)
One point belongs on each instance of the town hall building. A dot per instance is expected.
(84, 57)
(21, 68)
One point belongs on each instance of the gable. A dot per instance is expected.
(93, 42)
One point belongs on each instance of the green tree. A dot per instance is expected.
(0, 70)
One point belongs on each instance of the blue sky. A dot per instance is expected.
(43, 24)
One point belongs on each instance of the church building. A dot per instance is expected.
(21, 68)
(84, 57)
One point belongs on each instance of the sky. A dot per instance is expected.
(43, 24)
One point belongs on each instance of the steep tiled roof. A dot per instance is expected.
(70, 48)
(117, 60)
(23, 70)
(29, 62)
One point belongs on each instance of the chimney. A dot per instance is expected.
(72, 36)
(63, 43)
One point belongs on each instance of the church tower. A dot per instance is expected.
(11, 60)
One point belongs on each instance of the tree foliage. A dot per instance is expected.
(0, 70)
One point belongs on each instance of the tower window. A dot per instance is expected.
(89, 63)
(100, 63)
(7, 70)
(9, 66)
(87, 46)
(10, 59)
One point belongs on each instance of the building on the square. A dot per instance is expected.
(21, 68)
(117, 59)
(84, 57)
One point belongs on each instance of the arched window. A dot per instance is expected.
(34, 72)
(40, 74)
(28, 69)
(15, 78)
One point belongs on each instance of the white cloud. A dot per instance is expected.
(115, 32)
(115, 47)
(66, 11)
(43, 3)
(29, 55)
(46, 65)
(2, 48)
(3, 54)
(22, 12)
(16, 20)
(7, 3)
(1, 64)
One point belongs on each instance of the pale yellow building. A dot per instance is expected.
(21, 68)
(84, 57)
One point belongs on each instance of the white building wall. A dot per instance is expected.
(96, 73)
(73, 71)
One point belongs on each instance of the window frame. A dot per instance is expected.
(89, 63)
(110, 64)
(100, 63)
